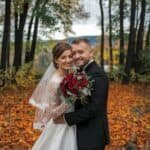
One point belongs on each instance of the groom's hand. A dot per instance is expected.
(59, 120)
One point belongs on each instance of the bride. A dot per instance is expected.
(49, 105)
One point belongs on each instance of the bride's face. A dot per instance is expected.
(65, 60)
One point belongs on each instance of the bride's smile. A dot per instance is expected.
(64, 62)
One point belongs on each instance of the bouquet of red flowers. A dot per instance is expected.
(76, 85)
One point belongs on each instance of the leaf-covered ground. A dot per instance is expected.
(128, 108)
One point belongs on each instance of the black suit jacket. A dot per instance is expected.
(91, 118)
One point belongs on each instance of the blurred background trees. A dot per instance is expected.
(123, 46)
(23, 18)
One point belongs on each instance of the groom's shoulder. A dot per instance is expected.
(96, 70)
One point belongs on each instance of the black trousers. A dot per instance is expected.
(101, 148)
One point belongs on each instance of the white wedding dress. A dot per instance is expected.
(57, 136)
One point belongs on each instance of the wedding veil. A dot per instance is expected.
(41, 98)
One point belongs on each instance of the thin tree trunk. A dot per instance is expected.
(17, 39)
(110, 37)
(34, 40)
(102, 35)
(6, 37)
(139, 44)
(33, 46)
(137, 15)
(131, 45)
(29, 56)
(121, 57)
(28, 48)
(147, 42)
(19, 35)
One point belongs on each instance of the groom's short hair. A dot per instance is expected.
(79, 40)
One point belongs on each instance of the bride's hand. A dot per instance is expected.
(58, 111)
(59, 120)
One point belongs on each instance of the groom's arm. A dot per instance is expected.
(97, 104)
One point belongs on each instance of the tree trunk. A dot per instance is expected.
(17, 58)
(110, 37)
(29, 56)
(28, 46)
(147, 42)
(131, 44)
(102, 35)
(19, 35)
(33, 46)
(121, 57)
(137, 15)
(139, 44)
(6, 37)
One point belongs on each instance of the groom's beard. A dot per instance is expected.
(83, 66)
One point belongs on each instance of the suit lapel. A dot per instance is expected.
(89, 67)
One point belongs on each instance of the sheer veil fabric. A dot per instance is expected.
(43, 99)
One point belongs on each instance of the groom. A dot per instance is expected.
(90, 118)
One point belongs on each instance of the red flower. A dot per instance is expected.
(84, 82)
(70, 86)
(73, 84)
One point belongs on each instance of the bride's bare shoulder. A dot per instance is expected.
(56, 74)
(56, 77)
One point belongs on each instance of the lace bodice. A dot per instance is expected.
(60, 106)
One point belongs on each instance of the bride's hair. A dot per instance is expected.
(58, 49)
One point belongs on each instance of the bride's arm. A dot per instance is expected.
(56, 106)
(59, 110)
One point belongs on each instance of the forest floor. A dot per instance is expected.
(128, 113)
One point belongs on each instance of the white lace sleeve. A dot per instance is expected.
(57, 106)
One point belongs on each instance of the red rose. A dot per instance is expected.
(73, 83)
(84, 83)
(74, 91)
(69, 77)
(70, 86)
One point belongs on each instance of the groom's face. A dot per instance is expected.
(82, 53)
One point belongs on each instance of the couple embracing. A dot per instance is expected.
(71, 126)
